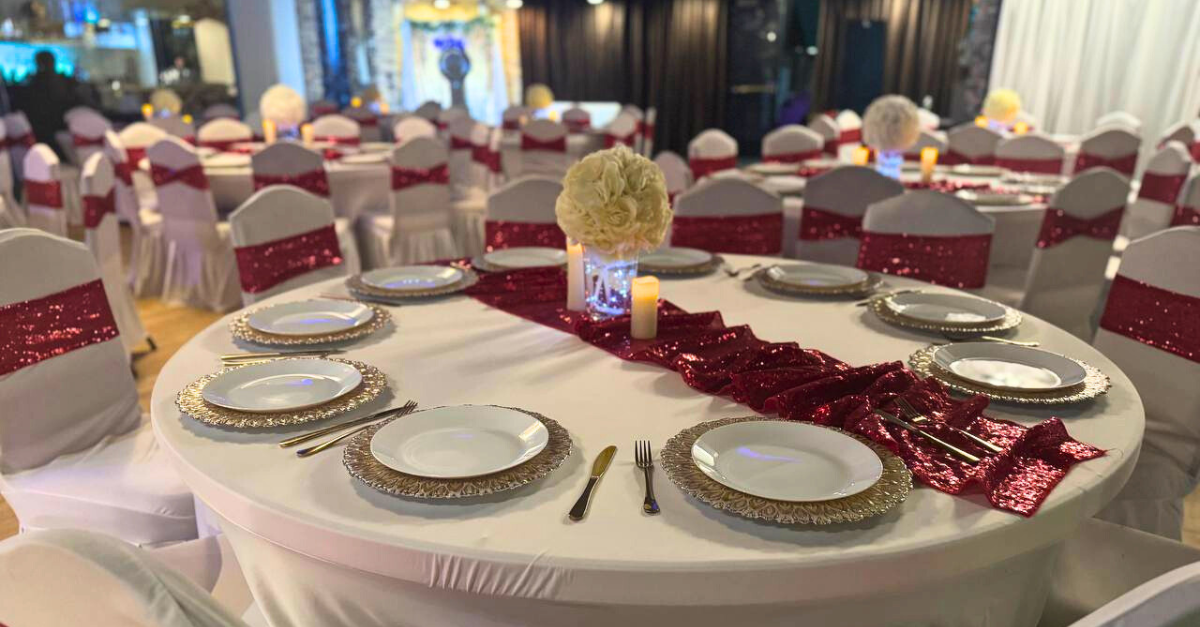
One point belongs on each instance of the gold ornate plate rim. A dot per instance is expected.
(891, 489)
(240, 328)
(701, 268)
(190, 402)
(874, 280)
(357, 287)
(1095, 383)
(878, 306)
(363, 466)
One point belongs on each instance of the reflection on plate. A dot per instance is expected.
(282, 385)
(817, 275)
(946, 308)
(675, 258)
(1007, 367)
(412, 278)
(525, 257)
(313, 317)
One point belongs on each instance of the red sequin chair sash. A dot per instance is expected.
(1039, 166)
(313, 182)
(850, 136)
(792, 157)
(35, 330)
(1162, 188)
(407, 177)
(953, 260)
(483, 155)
(338, 140)
(1058, 226)
(702, 167)
(83, 141)
(263, 266)
(760, 234)
(1185, 216)
(644, 129)
(1124, 164)
(580, 125)
(368, 121)
(192, 176)
(44, 193)
(506, 234)
(611, 140)
(821, 224)
(27, 140)
(458, 143)
(124, 172)
(1166, 320)
(831, 147)
(558, 144)
(96, 207)
(954, 157)
(134, 155)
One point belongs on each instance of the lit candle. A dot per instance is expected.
(981, 121)
(147, 111)
(307, 134)
(862, 155)
(356, 102)
(1020, 128)
(643, 323)
(383, 107)
(187, 118)
(929, 156)
(576, 301)
(269, 131)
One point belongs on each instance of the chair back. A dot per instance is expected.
(1030, 153)
(61, 336)
(184, 200)
(222, 133)
(1116, 148)
(411, 127)
(289, 163)
(849, 131)
(713, 150)
(621, 130)
(87, 128)
(728, 215)
(429, 110)
(513, 117)
(1120, 119)
(97, 188)
(368, 122)
(928, 119)
(128, 208)
(175, 127)
(465, 177)
(970, 144)
(220, 111)
(1184, 133)
(447, 116)
(43, 191)
(337, 129)
(321, 108)
(675, 171)
(834, 205)
(647, 131)
(928, 236)
(521, 213)
(284, 238)
(1162, 182)
(1169, 599)
(827, 128)
(577, 120)
(1187, 208)
(19, 137)
(544, 149)
(792, 144)
(927, 139)
(78, 110)
(420, 186)
(137, 137)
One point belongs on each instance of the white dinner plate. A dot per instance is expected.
(786, 185)
(967, 169)
(226, 160)
(412, 278)
(817, 275)
(824, 162)
(457, 442)
(365, 158)
(994, 198)
(675, 258)
(526, 257)
(310, 317)
(376, 147)
(787, 461)
(282, 385)
(770, 168)
(1008, 367)
(944, 308)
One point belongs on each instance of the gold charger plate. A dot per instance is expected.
(879, 306)
(891, 489)
(716, 261)
(363, 466)
(1095, 383)
(762, 276)
(240, 328)
(190, 401)
(360, 289)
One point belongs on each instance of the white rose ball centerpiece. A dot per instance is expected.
(891, 125)
(614, 203)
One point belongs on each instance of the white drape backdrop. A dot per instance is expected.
(1075, 60)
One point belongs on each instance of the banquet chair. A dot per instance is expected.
(1148, 330)
(514, 117)
(675, 171)
(646, 131)
(284, 238)
(1120, 119)
(428, 110)
(928, 119)
(337, 129)
(77, 110)
(849, 132)
(1116, 148)
(728, 215)
(7, 183)
(411, 127)
(577, 120)
(1065, 277)
(1100, 566)
(622, 129)
(522, 214)
(1183, 132)
(1029, 119)
(222, 133)
(928, 236)
(1162, 182)
(136, 139)
(78, 454)
(464, 182)
(98, 186)
(147, 259)
(927, 139)
(87, 128)
(19, 138)
(827, 128)
(1030, 153)
(254, 120)
(220, 111)
(320, 108)
(1187, 208)
(113, 583)
(791, 143)
(368, 123)
(543, 150)
(711, 151)
(470, 167)
(831, 218)
(638, 116)
(200, 267)
(419, 226)
(175, 126)
(970, 144)
(447, 116)
(44, 191)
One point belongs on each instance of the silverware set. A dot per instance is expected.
(599, 467)
(643, 457)
(360, 424)
(910, 427)
(241, 359)
(733, 273)
(918, 418)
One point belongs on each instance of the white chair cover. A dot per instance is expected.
(791, 139)
(276, 213)
(321, 107)
(1166, 601)
(463, 180)
(527, 200)
(368, 123)
(104, 240)
(78, 453)
(87, 128)
(622, 129)
(219, 111)
(110, 583)
(849, 133)
(1122, 119)
(411, 127)
(535, 161)
(7, 186)
(1166, 470)
(201, 270)
(925, 213)
(429, 110)
(844, 191)
(419, 228)
(1151, 212)
(470, 209)
(827, 128)
(711, 144)
(967, 143)
(927, 139)
(77, 110)
(136, 139)
(222, 132)
(732, 199)
(676, 172)
(929, 120)
(647, 131)
(513, 117)
(20, 138)
(42, 167)
(447, 116)
(577, 119)
(175, 127)
(337, 128)
(1020, 153)
(147, 261)
(1182, 132)
(1111, 143)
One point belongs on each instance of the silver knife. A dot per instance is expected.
(598, 467)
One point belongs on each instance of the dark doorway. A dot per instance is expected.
(860, 73)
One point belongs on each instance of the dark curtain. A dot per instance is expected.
(921, 48)
(667, 54)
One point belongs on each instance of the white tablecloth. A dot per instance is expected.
(354, 189)
(321, 549)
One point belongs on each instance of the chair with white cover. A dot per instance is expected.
(1066, 274)
(1162, 182)
(175, 126)
(113, 583)
(970, 144)
(728, 215)
(1120, 119)
(147, 260)
(827, 128)
(200, 269)
(928, 236)
(87, 128)
(470, 207)
(647, 131)
(98, 187)
(222, 133)
(928, 119)
(623, 129)
(1149, 330)
(447, 116)
(927, 139)
(849, 132)
(368, 122)
(577, 120)
(254, 120)
(337, 129)
(321, 107)
(1182, 132)
(1030, 153)
(1116, 148)
(675, 171)
(513, 117)
(522, 214)
(16, 215)
(791, 143)
(411, 127)
(79, 453)
(419, 228)
(834, 205)
(430, 109)
(711, 151)
(136, 139)
(44, 191)
(464, 183)
(284, 238)
(220, 111)
(19, 138)
(543, 150)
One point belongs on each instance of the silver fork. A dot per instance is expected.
(734, 272)
(644, 456)
(917, 418)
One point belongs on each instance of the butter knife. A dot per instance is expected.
(598, 467)
(954, 450)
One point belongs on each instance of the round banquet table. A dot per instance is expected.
(318, 548)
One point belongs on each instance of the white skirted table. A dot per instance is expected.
(319, 548)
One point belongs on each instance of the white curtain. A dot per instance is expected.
(1075, 60)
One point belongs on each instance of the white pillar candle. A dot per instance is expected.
(576, 300)
(307, 134)
(269, 131)
(861, 156)
(929, 157)
(643, 324)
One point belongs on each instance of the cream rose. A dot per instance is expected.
(1002, 105)
(165, 100)
(891, 123)
(283, 106)
(615, 201)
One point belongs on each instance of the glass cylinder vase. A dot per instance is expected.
(608, 281)
(889, 162)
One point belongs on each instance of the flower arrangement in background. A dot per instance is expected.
(1002, 106)
(891, 125)
(166, 101)
(538, 96)
(283, 106)
(615, 201)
